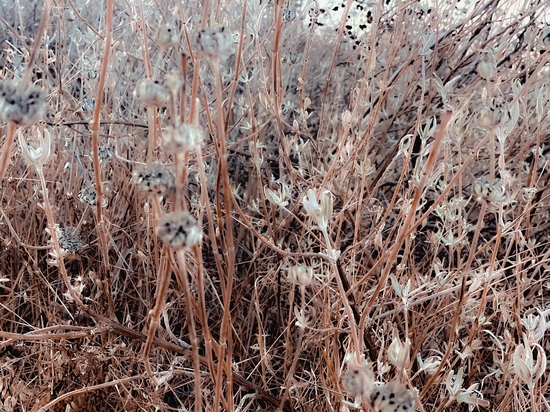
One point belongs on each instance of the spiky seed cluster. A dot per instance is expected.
(104, 153)
(214, 41)
(179, 230)
(157, 179)
(166, 36)
(393, 397)
(301, 275)
(88, 195)
(183, 138)
(69, 239)
(151, 92)
(358, 381)
(21, 106)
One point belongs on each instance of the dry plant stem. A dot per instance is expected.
(182, 277)
(229, 246)
(483, 300)
(6, 153)
(88, 389)
(162, 287)
(436, 203)
(445, 119)
(34, 50)
(145, 47)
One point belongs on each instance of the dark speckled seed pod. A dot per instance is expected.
(214, 42)
(158, 179)
(23, 107)
(151, 92)
(179, 230)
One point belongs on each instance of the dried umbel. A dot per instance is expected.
(358, 381)
(179, 230)
(166, 36)
(151, 92)
(393, 397)
(183, 138)
(214, 41)
(22, 106)
(156, 179)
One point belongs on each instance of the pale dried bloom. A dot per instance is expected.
(487, 67)
(158, 179)
(358, 381)
(300, 275)
(179, 230)
(398, 352)
(23, 107)
(491, 193)
(151, 92)
(166, 36)
(214, 41)
(525, 365)
(39, 156)
(183, 138)
(320, 213)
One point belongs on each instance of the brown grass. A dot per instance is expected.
(424, 124)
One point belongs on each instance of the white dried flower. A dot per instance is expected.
(183, 138)
(320, 213)
(491, 193)
(166, 36)
(151, 92)
(39, 156)
(214, 41)
(300, 275)
(157, 179)
(179, 230)
(23, 107)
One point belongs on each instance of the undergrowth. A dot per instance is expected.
(251, 205)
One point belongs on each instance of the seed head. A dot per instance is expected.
(158, 179)
(214, 41)
(166, 36)
(358, 381)
(151, 92)
(23, 107)
(183, 138)
(300, 275)
(179, 230)
(88, 195)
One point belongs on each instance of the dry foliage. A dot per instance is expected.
(254, 205)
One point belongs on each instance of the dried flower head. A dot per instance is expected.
(39, 156)
(158, 179)
(23, 107)
(214, 41)
(183, 138)
(166, 36)
(392, 397)
(491, 193)
(179, 230)
(151, 92)
(69, 239)
(300, 275)
(358, 381)
(88, 195)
